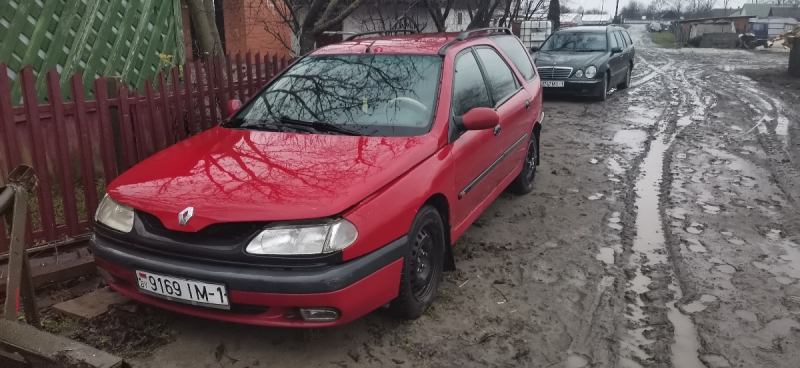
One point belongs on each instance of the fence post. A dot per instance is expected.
(22, 181)
(113, 84)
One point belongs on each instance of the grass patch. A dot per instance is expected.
(665, 39)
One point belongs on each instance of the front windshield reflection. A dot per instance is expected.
(378, 95)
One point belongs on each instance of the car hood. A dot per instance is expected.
(571, 59)
(230, 175)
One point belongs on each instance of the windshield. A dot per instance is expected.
(578, 41)
(366, 94)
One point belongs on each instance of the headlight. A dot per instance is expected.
(591, 72)
(114, 215)
(304, 239)
(579, 73)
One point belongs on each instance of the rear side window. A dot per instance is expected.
(521, 59)
(499, 76)
(469, 89)
(620, 39)
(627, 37)
(613, 40)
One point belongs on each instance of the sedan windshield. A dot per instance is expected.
(365, 94)
(577, 41)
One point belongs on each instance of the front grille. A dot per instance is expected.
(557, 72)
(221, 234)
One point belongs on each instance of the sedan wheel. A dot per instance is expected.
(422, 265)
(627, 82)
(604, 91)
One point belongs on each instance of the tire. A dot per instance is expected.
(627, 82)
(604, 91)
(422, 265)
(523, 183)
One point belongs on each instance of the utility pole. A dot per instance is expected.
(616, 14)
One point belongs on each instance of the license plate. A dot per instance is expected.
(183, 290)
(552, 84)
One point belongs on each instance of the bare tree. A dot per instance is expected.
(593, 11)
(481, 12)
(202, 15)
(554, 15)
(439, 10)
(378, 15)
(633, 10)
(306, 19)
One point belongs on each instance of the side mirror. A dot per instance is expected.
(616, 50)
(233, 106)
(534, 49)
(479, 118)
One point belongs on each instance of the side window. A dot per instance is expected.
(627, 38)
(499, 76)
(613, 40)
(469, 90)
(620, 43)
(519, 57)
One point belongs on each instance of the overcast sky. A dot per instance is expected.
(609, 4)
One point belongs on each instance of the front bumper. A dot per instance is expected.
(263, 296)
(585, 87)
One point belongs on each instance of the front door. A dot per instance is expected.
(474, 152)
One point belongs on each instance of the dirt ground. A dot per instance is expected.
(663, 232)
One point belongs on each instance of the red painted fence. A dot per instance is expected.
(77, 147)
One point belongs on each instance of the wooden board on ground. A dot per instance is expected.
(92, 304)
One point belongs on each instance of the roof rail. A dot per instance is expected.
(357, 35)
(468, 33)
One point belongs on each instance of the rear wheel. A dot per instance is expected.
(523, 183)
(422, 266)
(627, 82)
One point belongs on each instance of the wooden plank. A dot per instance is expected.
(106, 132)
(82, 127)
(275, 69)
(126, 127)
(231, 86)
(7, 127)
(62, 146)
(159, 141)
(60, 272)
(88, 306)
(189, 97)
(143, 128)
(211, 79)
(259, 76)
(44, 190)
(240, 77)
(251, 82)
(177, 101)
(166, 123)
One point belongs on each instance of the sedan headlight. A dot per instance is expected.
(304, 239)
(591, 72)
(114, 215)
(579, 73)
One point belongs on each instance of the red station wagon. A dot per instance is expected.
(339, 188)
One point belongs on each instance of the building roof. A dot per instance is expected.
(760, 10)
(785, 12)
(716, 13)
(597, 18)
(775, 20)
(570, 17)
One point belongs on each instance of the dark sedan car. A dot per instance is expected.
(585, 61)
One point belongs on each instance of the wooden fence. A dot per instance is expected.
(78, 147)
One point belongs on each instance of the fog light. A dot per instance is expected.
(319, 314)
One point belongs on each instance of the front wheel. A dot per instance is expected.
(603, 95)
(627, 82)
(422, 265)
(523, 183)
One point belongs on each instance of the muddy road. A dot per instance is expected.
(663, 231)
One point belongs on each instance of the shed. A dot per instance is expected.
(768, 28)
(570, 20)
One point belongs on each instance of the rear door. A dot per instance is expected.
(474, 152)
(512, 103)
(617, 61)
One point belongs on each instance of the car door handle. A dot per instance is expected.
(527, 104)
(497, 130)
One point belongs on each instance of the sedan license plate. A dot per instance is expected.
(183, 290)
(552, 83)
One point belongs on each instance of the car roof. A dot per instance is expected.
(589, 29)
(421, 43)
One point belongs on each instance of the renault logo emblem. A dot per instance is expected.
(185, 215)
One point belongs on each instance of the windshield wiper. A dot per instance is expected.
(317, 125)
